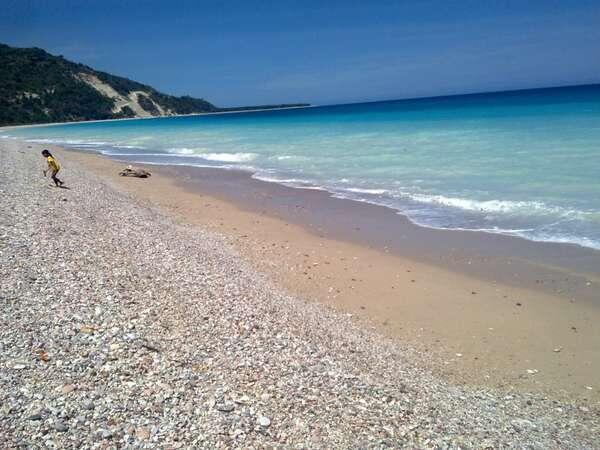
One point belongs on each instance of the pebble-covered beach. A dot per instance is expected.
(122, 328)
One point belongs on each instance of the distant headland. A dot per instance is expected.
(37, 87)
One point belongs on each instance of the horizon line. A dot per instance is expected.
(465, 94)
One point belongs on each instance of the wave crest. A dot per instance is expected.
(213, 156)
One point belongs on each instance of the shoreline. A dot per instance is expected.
(503, 314)
(36, 125)
(571, 247)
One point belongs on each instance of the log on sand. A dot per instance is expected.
(130, 171)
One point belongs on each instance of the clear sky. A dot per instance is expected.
(327, 51)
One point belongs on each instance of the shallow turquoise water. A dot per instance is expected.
(525, 163)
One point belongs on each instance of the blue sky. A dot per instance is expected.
(257, 52)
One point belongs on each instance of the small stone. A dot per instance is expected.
(264, 421)
(67, 388)
(521, 424)
(225, 407)
(104, 434)
(60, 427)
(532, 371)
(37, 415)
(557, 349)
(88, 404)
(244, 399)
(142, 433)
(20, 366)
(265, 397)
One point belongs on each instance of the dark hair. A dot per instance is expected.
(46, 152)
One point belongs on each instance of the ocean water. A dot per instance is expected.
(524, 163)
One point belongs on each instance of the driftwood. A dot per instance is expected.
(134, 172)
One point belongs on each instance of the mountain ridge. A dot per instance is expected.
(38, 87)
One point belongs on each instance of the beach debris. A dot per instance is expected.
(557, 349)
(131, 171)
(532, 371)
(589, 388)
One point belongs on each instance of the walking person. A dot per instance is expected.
(53, 167)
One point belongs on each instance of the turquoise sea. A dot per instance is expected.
(524, 163)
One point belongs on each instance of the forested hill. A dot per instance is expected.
(37, 87)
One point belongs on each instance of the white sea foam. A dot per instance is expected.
(490, 206)
(141, 156)
(43, 141)
(367, 191)
(182, 150)
(78, 142)
(269, 179)
(229, 157)
(129, 146)
(201, 152)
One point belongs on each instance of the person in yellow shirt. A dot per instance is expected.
(53, 167)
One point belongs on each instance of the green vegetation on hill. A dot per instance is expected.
(37, 87)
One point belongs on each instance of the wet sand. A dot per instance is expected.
(484, 309)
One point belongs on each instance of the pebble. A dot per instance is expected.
(142, 433)
(35, 416)
(60, 426)
(264, 421)
(522, 425)
(104, 434)
(67, 388)
(88, 404)
(225, 407)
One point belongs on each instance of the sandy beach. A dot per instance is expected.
(199, 308)
(489, 309)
